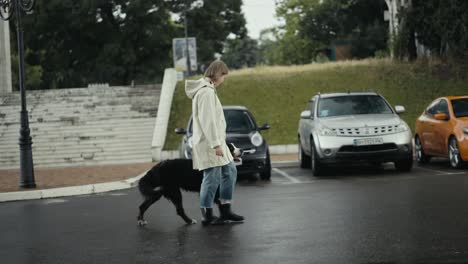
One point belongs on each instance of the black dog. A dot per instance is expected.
(167, 178)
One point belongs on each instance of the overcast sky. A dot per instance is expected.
(260, 14)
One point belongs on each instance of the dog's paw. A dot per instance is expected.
(142, 222)
(190, 221)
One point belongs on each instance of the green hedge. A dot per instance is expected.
(277, 95)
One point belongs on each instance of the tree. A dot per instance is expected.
(441, 26)
(312, 26)
(291, 46)
(76, 42)
(33, 73)
(357, 23)
(241, 53)
(114, 41)
(211, 22)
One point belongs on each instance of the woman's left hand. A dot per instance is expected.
(219, 151)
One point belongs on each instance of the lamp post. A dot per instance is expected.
(7, 7)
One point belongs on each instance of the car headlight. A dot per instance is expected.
(256, 139)
(465, 130)
(402, 127)
(189, 142)
(324, 131)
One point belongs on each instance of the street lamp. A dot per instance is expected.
(26, 161)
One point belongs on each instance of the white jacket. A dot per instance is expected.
(209, 125)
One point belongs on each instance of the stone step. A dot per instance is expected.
(66, 122)
(80, 140)
(80, 133)
(73, 145)
(88, 91)
(44, 150)
(72, 121)
(112, 100)
(96, 100)
(64, 153)
(149, 101)
(80, 112)
(84, 100)
(72, 127)
(78, 159)
(95, 125)
(84, 156)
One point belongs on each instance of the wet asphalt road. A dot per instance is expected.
(354, 215)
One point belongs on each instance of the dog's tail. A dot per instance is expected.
(149, 183)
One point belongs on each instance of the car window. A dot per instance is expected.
(352, 105)
(238, 121)
(440, 107)
(312, 108)
(460, 107)
(432, 109)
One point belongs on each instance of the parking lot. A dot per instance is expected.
(290, 173)
(353, 215)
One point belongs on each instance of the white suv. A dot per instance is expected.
(350, 128)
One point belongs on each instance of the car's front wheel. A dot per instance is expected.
(304, 159)
(316, 165)
(266, 173)
(454, 154)
(421, 157)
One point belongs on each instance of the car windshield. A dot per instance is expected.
(352, 105)
(238, 121)
(460, 107)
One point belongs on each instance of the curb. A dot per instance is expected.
(71, 191)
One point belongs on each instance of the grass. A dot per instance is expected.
(276, 95)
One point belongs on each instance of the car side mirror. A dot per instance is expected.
(180, 131)
(441, 116)
(306, 114)
(264, 127)
(399, 109)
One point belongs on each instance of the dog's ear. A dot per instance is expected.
(231, 147)
(235, 151)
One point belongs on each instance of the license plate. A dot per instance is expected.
(368, 141)
(238, 162)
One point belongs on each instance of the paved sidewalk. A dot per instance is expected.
(47, 178)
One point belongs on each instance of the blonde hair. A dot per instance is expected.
(216, 69)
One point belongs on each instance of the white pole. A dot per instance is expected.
(5, 58)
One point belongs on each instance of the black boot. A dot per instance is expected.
(228, 215)
(207, 217)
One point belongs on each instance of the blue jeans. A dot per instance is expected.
(224, 177)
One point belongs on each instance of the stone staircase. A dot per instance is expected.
(83, 126)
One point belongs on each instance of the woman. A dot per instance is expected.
(209, 150)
